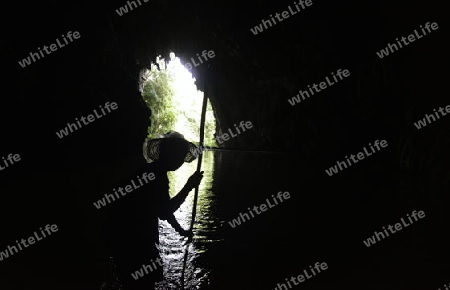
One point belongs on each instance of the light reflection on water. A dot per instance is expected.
(172, 245)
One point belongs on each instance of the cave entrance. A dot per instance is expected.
(169, 90)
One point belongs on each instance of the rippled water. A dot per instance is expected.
(318, 223)
(221, 257)
(206, 230)
(172, 246)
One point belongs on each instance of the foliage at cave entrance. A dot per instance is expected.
(158, 94)
(170, 92)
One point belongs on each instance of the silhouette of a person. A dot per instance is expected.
(132, 223)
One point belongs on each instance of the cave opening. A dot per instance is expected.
(169, 90)
(171, 93)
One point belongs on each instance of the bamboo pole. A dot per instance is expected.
(199, 166)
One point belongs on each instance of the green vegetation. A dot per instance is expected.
(170, 92)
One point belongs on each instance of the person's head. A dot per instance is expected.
(173, 153)
(170, 151)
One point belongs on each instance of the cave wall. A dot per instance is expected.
(250, 79)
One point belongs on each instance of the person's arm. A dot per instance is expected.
(168, 216)
(169, 206)
(178, 199)
(177, 227)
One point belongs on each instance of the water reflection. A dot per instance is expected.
(172, 246)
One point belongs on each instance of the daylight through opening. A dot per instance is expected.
(170, 92)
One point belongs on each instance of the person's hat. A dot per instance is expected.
(152, 147)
